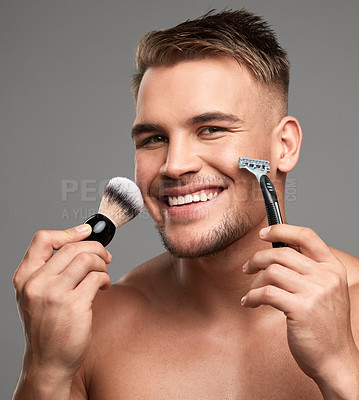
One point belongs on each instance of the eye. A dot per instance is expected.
(152, 140)
(212, 130)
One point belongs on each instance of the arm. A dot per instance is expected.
(309, 284)
(55, 294)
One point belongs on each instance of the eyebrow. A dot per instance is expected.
(145, 128)
(214, 116)
(196, 120)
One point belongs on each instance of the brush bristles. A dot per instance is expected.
(121, 201)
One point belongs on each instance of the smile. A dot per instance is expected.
(188, 198)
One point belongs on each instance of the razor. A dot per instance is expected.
(259, 168)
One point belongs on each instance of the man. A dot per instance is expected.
(187, 324)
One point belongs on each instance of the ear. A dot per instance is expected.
(289, 136)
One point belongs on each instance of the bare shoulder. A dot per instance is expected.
(133, 296)
(119, 314)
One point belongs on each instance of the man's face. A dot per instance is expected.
(193, 121)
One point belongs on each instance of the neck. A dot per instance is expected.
(217, 282)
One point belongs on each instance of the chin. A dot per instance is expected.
(215, 241)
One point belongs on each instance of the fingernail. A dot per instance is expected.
(245, 266)
(264, 231)
(83, 228)
(243, 300)
(109, 255)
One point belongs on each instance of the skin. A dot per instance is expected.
(249, 322)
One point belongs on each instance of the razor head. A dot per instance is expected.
(254, 165)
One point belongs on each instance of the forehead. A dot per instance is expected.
(197, 86)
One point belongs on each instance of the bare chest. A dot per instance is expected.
(174, 364)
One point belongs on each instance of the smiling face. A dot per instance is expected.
(193, 121)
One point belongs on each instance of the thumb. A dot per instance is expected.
(57, 239)
(74, 234)
(45, 242)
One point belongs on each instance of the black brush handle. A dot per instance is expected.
(103, 229)
(272, 206)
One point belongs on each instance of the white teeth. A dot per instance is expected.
(187, 199)
(180, 200)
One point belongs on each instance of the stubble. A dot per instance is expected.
(216, 241)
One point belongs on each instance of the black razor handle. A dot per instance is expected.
(103, 229)
(272, 206)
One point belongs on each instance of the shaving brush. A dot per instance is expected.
(121, 202)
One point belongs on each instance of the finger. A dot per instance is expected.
(42, 248)
(304, 239)
(285, 256)
(272, 296)
(281, 277)
(45, 242)
(61, 260)
(79, 268)
(91, 284)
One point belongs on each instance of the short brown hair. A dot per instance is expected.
(239, 34)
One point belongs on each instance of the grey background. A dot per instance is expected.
(66, 112)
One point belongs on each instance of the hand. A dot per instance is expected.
(308, 283)
(55, 294)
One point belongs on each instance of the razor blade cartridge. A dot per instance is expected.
(253, 164)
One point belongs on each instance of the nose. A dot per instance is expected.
(181, 158)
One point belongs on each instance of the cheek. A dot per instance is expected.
(247, 189)
(142, 173)
(224, 157)
(227, 160)
(147, 167)
(227, 153)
